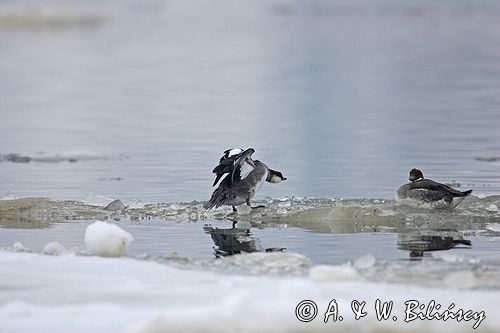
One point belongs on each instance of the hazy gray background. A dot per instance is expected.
(344, 97)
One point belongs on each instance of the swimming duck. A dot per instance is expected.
(243, 180)
(425, 193)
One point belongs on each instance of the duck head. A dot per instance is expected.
(415, 174)
(275, 176)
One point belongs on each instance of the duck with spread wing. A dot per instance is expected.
(244, 178)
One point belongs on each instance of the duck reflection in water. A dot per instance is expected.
(417, 242)
(236, 240)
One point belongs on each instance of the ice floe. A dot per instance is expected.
(19, 247)
(53, 248)
(106, 239)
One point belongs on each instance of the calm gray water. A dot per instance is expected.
(138, 100)
(344, 97)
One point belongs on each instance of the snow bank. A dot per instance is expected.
(95, 294)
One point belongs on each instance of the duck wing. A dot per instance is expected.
(431, 185)
(225, 166)
(243, 165)
(243, 170)
(231, 162)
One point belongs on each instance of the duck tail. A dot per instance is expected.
(209, 204)
(466, 193)
(217, 199)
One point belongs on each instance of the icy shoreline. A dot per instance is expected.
(81, 294)
(314, 213)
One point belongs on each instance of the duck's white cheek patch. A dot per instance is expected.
(275, 179)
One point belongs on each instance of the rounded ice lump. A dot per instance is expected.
(106, 239)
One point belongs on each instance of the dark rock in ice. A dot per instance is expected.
(115, 205)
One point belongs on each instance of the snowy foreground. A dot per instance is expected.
(74, 293)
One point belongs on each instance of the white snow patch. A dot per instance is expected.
(106, 239)
(365, 262)
(244, 209)
(448, 257)
(333, 273)
(493, 227)
(387, 212)
(91, 294)
(178, 206)
(10, 196)
(460, 279)
(53, 248)
(19, 247)
(137, 204)
(492, 208)
(263, 262)
(97, 200)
